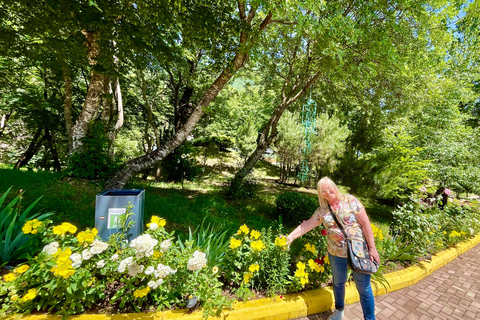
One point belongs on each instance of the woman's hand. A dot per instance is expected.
(290, 239)
(374, 256)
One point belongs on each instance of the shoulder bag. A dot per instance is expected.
(357, 252)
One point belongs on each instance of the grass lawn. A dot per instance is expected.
(73, 200)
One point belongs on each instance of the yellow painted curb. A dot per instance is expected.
(292, 305)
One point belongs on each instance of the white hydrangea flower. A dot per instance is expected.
(165, 245)
(86, 254)
(144, 245)
(154, 284)
(114, 257)
(134, 269)
(124, 263)
(162, 271)
(76, 260)
(100, 263)
(98, 246)
(149, 270)
(198, 261)
(153, 227)
(51, 248)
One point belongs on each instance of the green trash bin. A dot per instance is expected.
(111, 204)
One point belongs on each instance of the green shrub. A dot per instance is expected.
(180, 166)
(295, 207)
(244, 189)
(258, 260)
(93, 160)
(16, 243)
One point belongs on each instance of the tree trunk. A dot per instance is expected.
(51, 144)
(32, 149)
(92, 101)
(68, 107)
(3, 122)
(136, 165)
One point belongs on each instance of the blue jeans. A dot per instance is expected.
(362, 281)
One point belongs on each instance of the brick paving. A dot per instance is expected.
(451, 292)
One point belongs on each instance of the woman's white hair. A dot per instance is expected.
(320, 185)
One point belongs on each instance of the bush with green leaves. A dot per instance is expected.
(93, 160)
(75, 271)
(210, 240)
(295, 207)
(258, 260)
(243, 189)
(430, 229)
(16, 245)
(312, 267)
(180, 165)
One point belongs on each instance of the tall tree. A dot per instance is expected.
(252, 19)
(348, 44)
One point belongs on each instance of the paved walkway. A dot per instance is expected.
(451, 292)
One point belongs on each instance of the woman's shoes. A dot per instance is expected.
(336, 315)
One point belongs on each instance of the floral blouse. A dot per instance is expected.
(347, 212)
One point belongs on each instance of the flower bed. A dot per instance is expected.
(77, 272)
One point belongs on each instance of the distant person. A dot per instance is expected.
(351, 213)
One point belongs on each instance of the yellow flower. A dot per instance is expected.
(140, 293)
(234, 243)
(311, 248)
(304, 280)
(31, 226)
(157, 220)
(21, 269)
(64, 270)
(327, 260)
(30, 295)
(255, 234)
(257, 245)
(246, 277)
(314, 266)
(9, 277)
(254, 267)
(86, 236)
(301, 265)
(63, 256)
(65, 227)
(244, 229)
(215, 270)
(280, 241)
(157, 254)
(299, 273)
(15, 297)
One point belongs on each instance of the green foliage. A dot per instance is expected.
(17, 245)
(295, 207)
(180, 166)
(73, 272)
(258, 260)
(210, 240)
(288, 144)
(120, 238)
(244, 189)
(397, 169)
(93, 160)
(313, 269)
(428, 229)
(391, 249)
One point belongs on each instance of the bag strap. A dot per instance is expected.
(336, 220)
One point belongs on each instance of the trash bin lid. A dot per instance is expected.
(121, 192)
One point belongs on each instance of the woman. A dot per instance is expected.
(351, 213)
